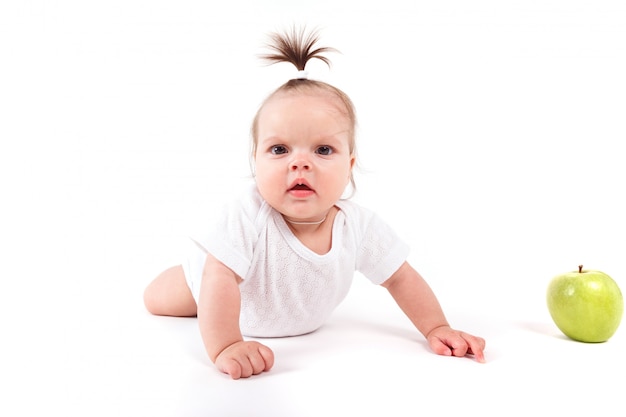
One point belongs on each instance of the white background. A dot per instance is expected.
(490, 136)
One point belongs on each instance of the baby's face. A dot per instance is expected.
(303, 160)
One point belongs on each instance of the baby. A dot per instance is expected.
(282, 257)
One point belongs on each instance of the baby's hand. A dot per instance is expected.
(243, 359)
(449, 342)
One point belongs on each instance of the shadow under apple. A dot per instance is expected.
(543, 328)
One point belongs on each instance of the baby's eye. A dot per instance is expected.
(324, 150)
(278, 149)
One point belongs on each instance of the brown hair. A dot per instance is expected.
(296, 47)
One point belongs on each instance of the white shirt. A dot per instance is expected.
(287, 288)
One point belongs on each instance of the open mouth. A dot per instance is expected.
(303, 187)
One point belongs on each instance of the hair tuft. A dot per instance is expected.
(297, 47)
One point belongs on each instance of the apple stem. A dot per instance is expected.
(580, 269)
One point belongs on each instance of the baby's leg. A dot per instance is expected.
(169, 295)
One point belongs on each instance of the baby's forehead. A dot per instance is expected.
(304, 92)
(303, 110)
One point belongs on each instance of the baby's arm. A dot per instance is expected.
(419, 303)
(219, 305)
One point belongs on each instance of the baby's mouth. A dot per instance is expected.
(300, 187)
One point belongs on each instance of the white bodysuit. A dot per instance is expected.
(287, 289)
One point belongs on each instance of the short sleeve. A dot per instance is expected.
(234, 234)
(380, 252)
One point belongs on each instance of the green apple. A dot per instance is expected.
(585, 305)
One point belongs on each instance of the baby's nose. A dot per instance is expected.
(300, 163)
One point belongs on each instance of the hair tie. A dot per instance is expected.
(302, 75)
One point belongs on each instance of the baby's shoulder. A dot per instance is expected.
(354, 212)
(245, 206)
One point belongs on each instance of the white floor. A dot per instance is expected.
(494, 148)
(89, 348)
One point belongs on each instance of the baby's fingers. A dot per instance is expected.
(231, 367)
(261, 360)
(244, 359)
(476, 346)
(268, 357)
(439, 347)
(455, 343)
